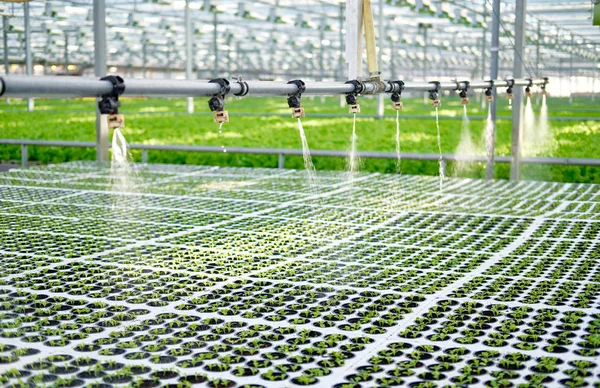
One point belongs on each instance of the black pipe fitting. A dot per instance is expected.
(433, 93)
(359, 87)
(396, 87)
(109, 103)
(217, 101)
(244, 87)
(466, 88)
(351, 99)
(295, 99)
(488, 92)
(2, 87)
(510, 83)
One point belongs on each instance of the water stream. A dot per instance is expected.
(353, 160)
(466, 146)
(489, 135)
(531, 142)
(543, 127)
(311, 173)
(123, 174)
(221, 135)
(439, 141)
(398, 154)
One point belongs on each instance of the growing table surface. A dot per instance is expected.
(251, 277)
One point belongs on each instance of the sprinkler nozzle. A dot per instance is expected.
(488, 95)
(544, 91)
(216, 103)
(396, 103)
(463, 97)
(352, 103)
(116, 121)
(435, 100)
(297, 113)
(509, 94)
(220, 116)
(528, 92)
(295, 100)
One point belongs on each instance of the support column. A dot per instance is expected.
(100, 71)
(571, 70)
(425, 62)
(321, 49)
(483, 59)
(341, 60)
(354, 20)
(144, 53)
(215, 46)
(537, 50)
(593, 86)
(28, 53)
(380, 97)
(189, 55)
(5, 44)
(66, 53)
(494, 51)
(517, 109)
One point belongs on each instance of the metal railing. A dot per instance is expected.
(283, 152)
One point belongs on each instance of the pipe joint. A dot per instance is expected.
(396, 88)
(434, 94)
(217, 101)
(351, 100)
(295, 99)
(109, 103)
(244, 89)
(509, 91)
(463, 92)
(359, 87)
(489, 96)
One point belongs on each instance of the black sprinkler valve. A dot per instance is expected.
(509, 91)
(295, 99)
(351, 98)
(109, 103)
(217, 101)
(463, 93)
(396, 96)
(434, 96)
(488, 95)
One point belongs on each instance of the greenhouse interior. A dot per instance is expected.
(277, 193)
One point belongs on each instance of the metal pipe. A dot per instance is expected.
(494, 64)
(28, 53)
(99, 14)
(188, 51)
(62, 87)
(517, 109)
(298, 152)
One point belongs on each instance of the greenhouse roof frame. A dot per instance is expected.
(275, 39)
